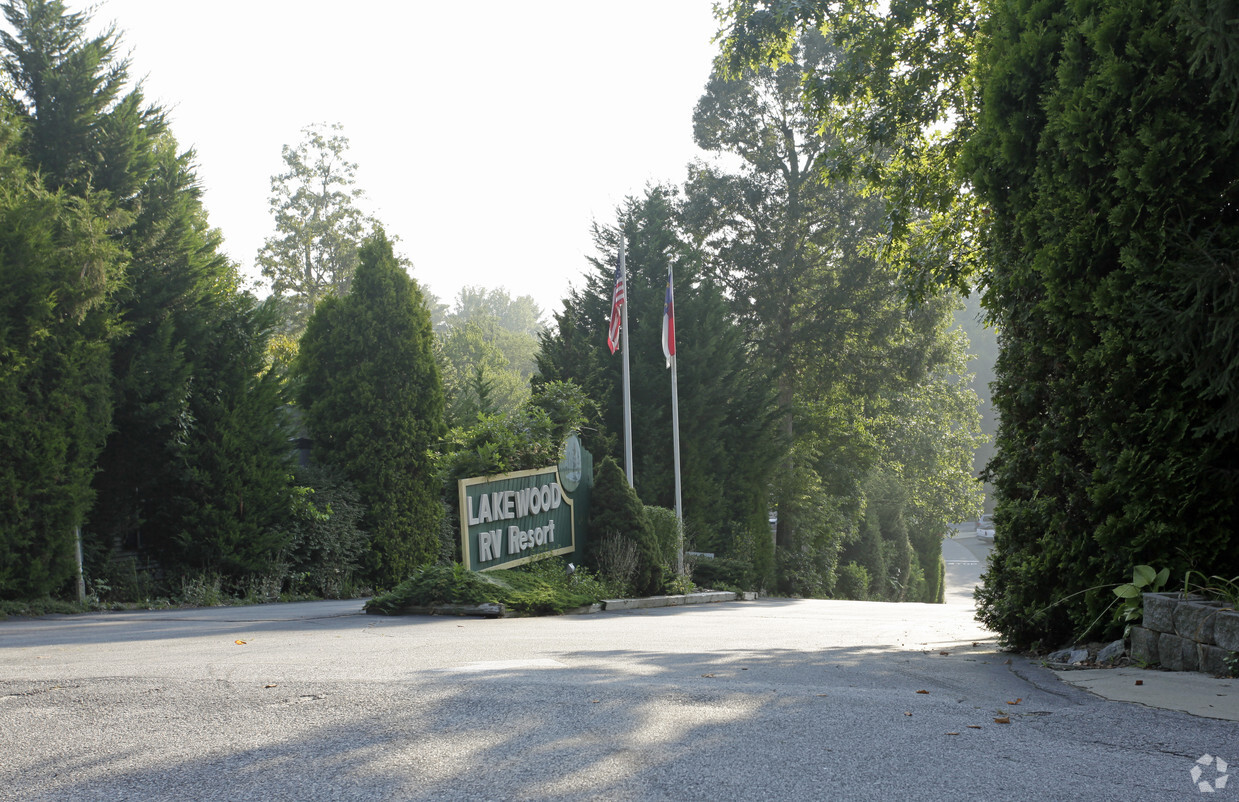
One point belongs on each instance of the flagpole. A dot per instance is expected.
(675, 450)
(627, 382)
(675, 429)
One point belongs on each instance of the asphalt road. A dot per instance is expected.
(769, 700)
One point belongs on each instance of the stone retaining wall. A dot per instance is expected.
(1186, 633)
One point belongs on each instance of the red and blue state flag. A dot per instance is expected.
(669, 323)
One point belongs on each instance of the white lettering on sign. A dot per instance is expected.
(507, 504)
(490, 545)
(520, 540)
(519, 517)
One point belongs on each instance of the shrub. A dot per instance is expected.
(665, 528)
(616, 510)
(326, 544)
(853, 582)
(725, 573)
(538, 588)
(618, 559)
(201, 589)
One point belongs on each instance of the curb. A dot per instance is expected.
(650, 602)
(491, 610)
(486, 610)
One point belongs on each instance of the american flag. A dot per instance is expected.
(617, 303)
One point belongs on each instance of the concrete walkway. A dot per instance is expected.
(1187, 691)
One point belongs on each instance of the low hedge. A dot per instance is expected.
(543, 588)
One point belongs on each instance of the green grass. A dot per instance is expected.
(37, 607)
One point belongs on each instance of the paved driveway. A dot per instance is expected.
(773, 699)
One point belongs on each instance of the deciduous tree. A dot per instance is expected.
(318, 224)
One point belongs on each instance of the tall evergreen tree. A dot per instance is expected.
(230, 499)
(1114, 189)
(180, 309)
(57, 266)
(373, 403)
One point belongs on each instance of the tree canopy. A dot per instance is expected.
(318, 224)
(486, 345)
(859, 362)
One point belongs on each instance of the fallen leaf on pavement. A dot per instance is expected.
(1139, 682)
(944, 654)
(908, 713)
(952, 733)
(1017, 701)
(707, 675)
(922, 691)
(974, 726)
(1002, 720)
(272, 685)
(239, 642)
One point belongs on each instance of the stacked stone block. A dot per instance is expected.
(1186, 633)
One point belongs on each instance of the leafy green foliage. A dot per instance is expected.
(326, 547)
(666, 531)
(895, 97)
(1143, 580)
(486, 347)
(853, 582)
(319, 228)
(373, 405)
(529, 437)
(725, 573)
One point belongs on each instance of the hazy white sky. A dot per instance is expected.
(489, 135)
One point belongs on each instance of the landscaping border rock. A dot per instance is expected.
(1195, 619)
(1178, 654)
(1144, 643)
(1212, 659)
(1159, 611)
(1226, 630)
(1185, 632)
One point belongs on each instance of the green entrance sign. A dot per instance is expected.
(513, 518)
